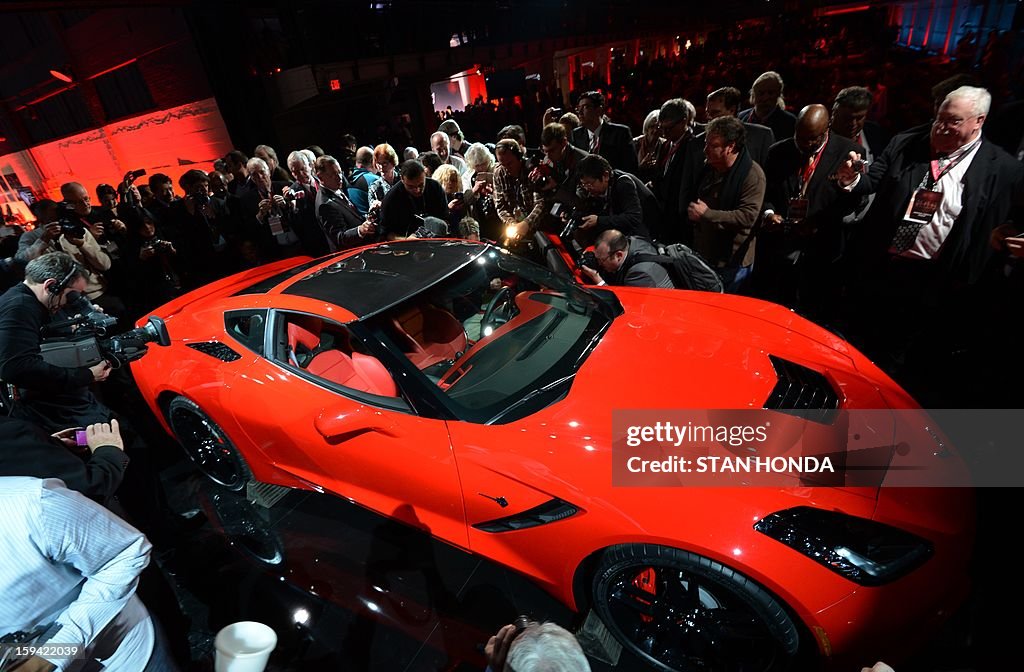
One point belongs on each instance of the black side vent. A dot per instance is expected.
(802, 392)
(548, 512)
(215, 349)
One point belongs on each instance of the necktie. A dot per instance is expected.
(595, 141)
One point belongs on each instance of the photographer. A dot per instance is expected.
(339, 220)
(156, 264)
(301, 198)
(519, 207)
(55, 396)
(628, 205)
(198, 226)
(43, 238)
(557, 177)
(80, 224)
(615, 263)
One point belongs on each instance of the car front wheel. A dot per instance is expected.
(207, 445)
(682, 612)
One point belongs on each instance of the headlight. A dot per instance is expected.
(861, 550)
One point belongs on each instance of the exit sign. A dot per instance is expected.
(335, 85)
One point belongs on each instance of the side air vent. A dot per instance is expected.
(802, 392)
(548, 512)
(215, 349)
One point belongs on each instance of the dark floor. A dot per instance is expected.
(346, 589)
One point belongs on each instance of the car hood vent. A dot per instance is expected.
(215, 349)
(802, 392)
(548, 512)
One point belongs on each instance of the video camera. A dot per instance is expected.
(82, 340)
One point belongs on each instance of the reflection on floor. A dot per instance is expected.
(345, 589)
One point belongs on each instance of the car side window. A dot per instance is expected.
(247, 327)
(327, 352)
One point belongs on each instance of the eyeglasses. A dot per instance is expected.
(951, 122)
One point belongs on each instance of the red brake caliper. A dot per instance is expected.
(647, 582)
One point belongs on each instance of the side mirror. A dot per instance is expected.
(337, 424)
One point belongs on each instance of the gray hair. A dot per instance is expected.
(310, 156)
(255, 163)
(674, 110)
(651, 120)
(980, 99)
(268, 150)
(442, 135)
(854, 98)
(546, 647)
(771, 75)
(407, 153)
(300, 156)
(55, 265)
(478, 153)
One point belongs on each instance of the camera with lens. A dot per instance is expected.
(158, 245)
(539, 170)
(295, 195)
(70, 223)
(83, 340)
(589, 259)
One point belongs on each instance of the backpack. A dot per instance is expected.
(686, 268)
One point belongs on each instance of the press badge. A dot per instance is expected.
(923, 205)
(274, 221)
(797, 211)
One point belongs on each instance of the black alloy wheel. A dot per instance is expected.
(207, 445)
(681, 612)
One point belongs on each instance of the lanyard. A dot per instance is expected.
(808, 170)
(935, 174)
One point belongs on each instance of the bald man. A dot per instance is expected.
(802, 241)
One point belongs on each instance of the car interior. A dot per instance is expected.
(325, 350)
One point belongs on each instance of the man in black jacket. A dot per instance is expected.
(56, 397)
(597, 135)
(408, 203)
(768, 107)
(802, 239)
(29, 451)
(925, 245)
(674, 186)
(629, 205)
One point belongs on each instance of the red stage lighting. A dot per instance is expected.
(61, 76)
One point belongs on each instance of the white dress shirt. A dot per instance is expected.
(933, 234)
(66, 559)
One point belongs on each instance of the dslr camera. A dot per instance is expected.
(70, 223)
(83, 341)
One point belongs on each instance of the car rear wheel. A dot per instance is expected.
(682, 612)
(207, 445)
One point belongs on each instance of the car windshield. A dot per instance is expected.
(499, 338)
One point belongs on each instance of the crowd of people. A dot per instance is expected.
(905, 240)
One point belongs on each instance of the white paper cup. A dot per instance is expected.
(244, 647)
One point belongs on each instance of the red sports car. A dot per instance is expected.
(458, 387)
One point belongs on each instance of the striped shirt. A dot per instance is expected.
(66, 560)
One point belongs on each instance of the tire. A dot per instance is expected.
(681, 612)
(207, 445)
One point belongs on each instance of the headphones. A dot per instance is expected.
(63, 283)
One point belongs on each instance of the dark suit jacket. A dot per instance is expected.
(675, 188)
(759, 141)
(399, 209)
(781, 122)
(826, 203)
(989, 185)
(631, 207)
(26, 450)
(615, 143)
(339, 221)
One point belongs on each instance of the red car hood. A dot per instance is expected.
(678, 351)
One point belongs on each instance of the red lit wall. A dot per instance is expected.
(169, 141)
